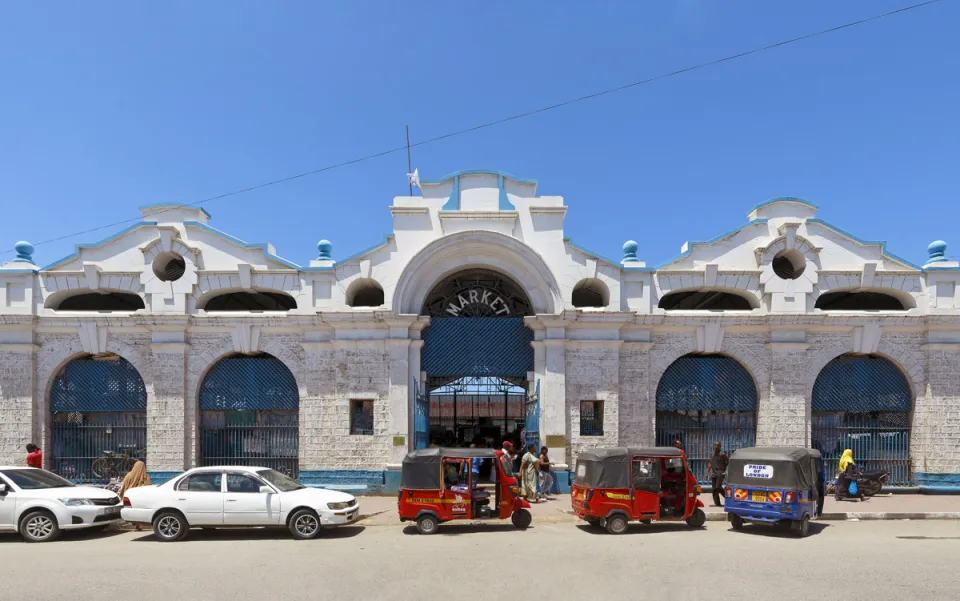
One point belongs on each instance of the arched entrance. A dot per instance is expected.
(863, 403)
(98, 406)
(702, 399)
(250, 414)
(476, 355)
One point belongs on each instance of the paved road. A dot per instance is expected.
(883, 560)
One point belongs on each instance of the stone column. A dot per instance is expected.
(320, 377)
(413, 373)
(398, 399)
(637, 409)
(935, 444)
(167, 440)
(17, 372)
(553, 419)
(784, 419)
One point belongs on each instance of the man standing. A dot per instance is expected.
(718, 467)
(34, 456)
(545, 475)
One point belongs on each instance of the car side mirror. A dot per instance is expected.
(266, 490)
(3, 489)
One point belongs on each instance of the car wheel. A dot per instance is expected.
(304, 524)
(697, 519)
(427, 524)
(801, 528)
(521, 519)
(736, 521)
(39, 527)
(617, 524)
(170, 526)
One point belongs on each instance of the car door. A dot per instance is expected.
(200, 495)
(245, 505)
(645, 476)
(8, 505)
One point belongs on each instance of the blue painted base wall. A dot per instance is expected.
(354, 481)
(938, 484)
(161, 477)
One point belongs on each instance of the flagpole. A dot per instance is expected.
(409, 169)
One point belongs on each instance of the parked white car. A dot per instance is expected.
(39, 504)
(231, 496)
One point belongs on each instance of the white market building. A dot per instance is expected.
(477, 319)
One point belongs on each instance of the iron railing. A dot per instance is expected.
(879, 441)
(80, 439)
(251, 438)
(697, 431)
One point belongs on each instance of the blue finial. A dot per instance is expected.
(24, 252)
(324, 250)
(937, 251)
(630, 251)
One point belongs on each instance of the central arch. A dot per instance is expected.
(476, 355)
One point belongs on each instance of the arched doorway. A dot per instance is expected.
(702, 399)
(863, 403)
(98, 406)
(250, 414)
(476, 354)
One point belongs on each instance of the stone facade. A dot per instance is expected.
(778, 324)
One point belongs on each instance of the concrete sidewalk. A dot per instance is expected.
(382, 511)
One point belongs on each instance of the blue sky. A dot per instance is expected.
(107, 106)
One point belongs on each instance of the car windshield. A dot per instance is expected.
(282, 482)
(36, 479)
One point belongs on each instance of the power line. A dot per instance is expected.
(515, 117)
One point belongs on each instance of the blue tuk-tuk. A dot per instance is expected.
(774, 485)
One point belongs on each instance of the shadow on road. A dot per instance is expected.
(458, 529)
(67, 536)
(634, 528)
(232, 534)
(779, 530)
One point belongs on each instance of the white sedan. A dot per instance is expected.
(212, 497)
(39, 504)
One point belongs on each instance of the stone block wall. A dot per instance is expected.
(592, 374)
(936, 423)
(16, 405)
(636, 407)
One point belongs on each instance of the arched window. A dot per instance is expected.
(251, 301)
(365, 292)
(590, 292)
(97, 301)
(853, 300)
(704, 300)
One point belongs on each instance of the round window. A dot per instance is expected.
(789, 264)
(169, 267)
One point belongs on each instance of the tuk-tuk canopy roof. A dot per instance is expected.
(421, 468)
(776, 467)
(610, 468)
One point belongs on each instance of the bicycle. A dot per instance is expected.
(114, 465)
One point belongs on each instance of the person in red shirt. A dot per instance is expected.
(34, 456)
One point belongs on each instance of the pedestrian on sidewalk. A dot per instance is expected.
(34, 456)
(717, 470)
(847, 474)
(546, 486)
(528, 471)
(135, 478)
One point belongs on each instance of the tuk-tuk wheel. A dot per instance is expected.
(801, 528)
(616, 524)
(521, 519)
(736, 521)
(697, 519)
(427, 524)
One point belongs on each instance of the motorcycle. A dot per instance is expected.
(869, 483)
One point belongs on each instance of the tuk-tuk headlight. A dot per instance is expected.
(514, 490)
(699, 489)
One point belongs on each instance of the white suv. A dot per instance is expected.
(39, 504)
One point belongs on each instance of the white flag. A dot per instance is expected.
(414, 178)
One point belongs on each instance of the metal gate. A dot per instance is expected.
(99, 423)
(471, 410)
(249, 414)
(531, 410)
(703, 399)
(421, 418)
(863, 403)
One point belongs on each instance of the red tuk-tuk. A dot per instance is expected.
(613, 486)
(438, 485)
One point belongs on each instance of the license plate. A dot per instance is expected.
(758, 497)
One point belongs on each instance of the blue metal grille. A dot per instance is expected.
(421, 418)
(80, 440)
(706, 383)
(698, 430)
(249, 383)
(531, 411)
(477, 346)
(861, 383)
(103, 384)
(252, 438)
(879, 441)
